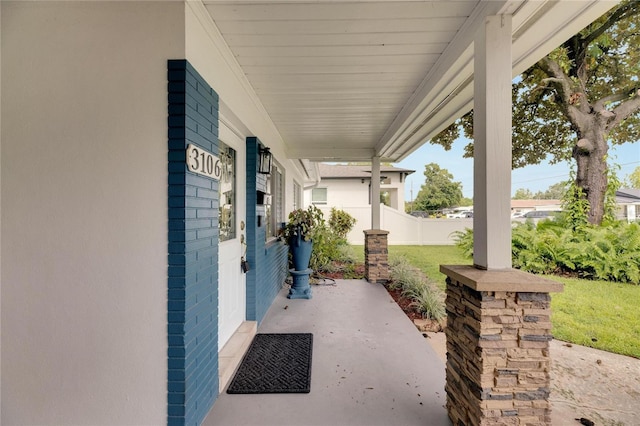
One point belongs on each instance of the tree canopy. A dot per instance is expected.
(439, 190)
(576, 101)
(523, 194)
(554, 192)
(633, 179)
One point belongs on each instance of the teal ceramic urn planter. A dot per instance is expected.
(298, 233)
(301, 255)
(300, 288)
(300, 252)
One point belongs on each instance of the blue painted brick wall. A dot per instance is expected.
(265, 279)
(193, 250)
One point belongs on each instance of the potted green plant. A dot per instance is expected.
(298, 234)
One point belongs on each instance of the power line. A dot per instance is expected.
(563, 175)
(543, 178)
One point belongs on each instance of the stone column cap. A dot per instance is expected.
(500, 280)
(375, 232)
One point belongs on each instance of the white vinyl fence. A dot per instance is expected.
(403, 229)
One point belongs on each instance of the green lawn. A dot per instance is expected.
(598, 314)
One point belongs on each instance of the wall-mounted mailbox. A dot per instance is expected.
(263, 198)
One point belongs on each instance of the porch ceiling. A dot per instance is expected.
(347, 80)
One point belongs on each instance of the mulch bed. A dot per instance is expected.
(404, 303)
(344, 271)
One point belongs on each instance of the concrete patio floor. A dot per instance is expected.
(371, 366)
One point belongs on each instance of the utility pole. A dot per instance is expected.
(412, 196)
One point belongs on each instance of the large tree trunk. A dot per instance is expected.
(590, 153)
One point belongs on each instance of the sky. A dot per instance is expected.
(535, 178)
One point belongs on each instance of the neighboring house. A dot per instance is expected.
(343, 186)
(521, 207)
(628, 202)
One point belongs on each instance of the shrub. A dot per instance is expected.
(326, 248)
(329, 242)
(346, 254)
(345, 262)
(413, 286)
(400, 271)
(341, 222)
(430, 303)
(349, 272)
(425, 296)
(610, 252)
(464, 240)
(575, 207)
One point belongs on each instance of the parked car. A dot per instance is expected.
(541, 214)
(535, 216)
(419, 213)
(460, 215)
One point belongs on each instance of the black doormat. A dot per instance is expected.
(275, 363)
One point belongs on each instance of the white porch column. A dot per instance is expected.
(492, 145)
(375, 193)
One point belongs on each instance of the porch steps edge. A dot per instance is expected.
(231, 354)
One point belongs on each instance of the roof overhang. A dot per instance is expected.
(447, 94)
(347, 81)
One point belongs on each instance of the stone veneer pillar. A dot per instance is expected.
(376, 256)
(498, 334)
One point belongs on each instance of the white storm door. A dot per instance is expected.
(231, 299)
(231, 279)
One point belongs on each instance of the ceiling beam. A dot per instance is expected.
(447, 92)
(451, 70)
(331, 154)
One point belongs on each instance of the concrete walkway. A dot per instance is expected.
(597, 385)
(585, 383)
(371, 366)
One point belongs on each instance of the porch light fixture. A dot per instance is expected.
(264, 161)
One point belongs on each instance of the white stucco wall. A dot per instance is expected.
(353, 192)
(396, 190)
(84, 223)
(343, 193)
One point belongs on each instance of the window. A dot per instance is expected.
(275, 205)
(297, 195)
(385, 198)
(227, 192)
(319, 196)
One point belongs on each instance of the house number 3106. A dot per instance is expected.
(203, 162)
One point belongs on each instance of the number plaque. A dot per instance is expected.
(203, 163)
